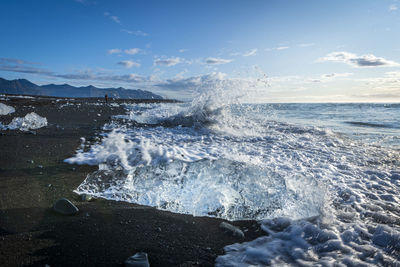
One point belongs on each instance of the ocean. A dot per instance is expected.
(323, 180)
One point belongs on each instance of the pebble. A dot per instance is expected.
(65, 207)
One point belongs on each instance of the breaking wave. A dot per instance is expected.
(323, 197)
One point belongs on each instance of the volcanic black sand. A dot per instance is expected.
(104, 233)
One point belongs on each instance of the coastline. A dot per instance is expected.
(33, 176)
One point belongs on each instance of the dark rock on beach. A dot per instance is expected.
(65, 207)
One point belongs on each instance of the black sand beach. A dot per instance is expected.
(104, 233)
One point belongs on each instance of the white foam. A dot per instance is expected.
(31, 121)
(304, 243)
(5, 109)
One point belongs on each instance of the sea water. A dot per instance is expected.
(323, 180)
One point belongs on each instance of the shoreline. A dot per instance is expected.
(33, 176)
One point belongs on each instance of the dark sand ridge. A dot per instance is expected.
(104, 233)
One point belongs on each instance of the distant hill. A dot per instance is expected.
(25, 87)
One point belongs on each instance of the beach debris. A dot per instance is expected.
(140, 259)
(65, 207)
(235, 231)
(86, 197)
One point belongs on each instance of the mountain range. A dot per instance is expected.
(25, 87)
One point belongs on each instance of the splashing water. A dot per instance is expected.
(323, 197)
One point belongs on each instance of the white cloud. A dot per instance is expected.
(306, 44)
(134, 78)
(393, 74)
(328, 77)
(114, 51)
(335, 75)
(277, 48)
(285, 79)
(114, 18)
(393, 7)
(137, 33)
(132, 51)
(181, 74)
(354, 60)
(153, 78)
(128, 64)
(282, 48)
(22, 66)
(168, 61)
(216, 61)
(191, 83)
(386, 87)
(251, 52)
(16, 61)
(391, 78)
(182, 50)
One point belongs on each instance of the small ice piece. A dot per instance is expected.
(140, 259)
(30, 121)
(5, 110)
(235, 231)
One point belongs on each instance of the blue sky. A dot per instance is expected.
(275, 51)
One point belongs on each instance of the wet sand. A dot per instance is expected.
(104, 233)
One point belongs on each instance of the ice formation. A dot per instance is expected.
(5, 109)
(31, 121)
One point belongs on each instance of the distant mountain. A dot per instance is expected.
(25, 87)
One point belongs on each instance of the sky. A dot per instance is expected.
(271, 50)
